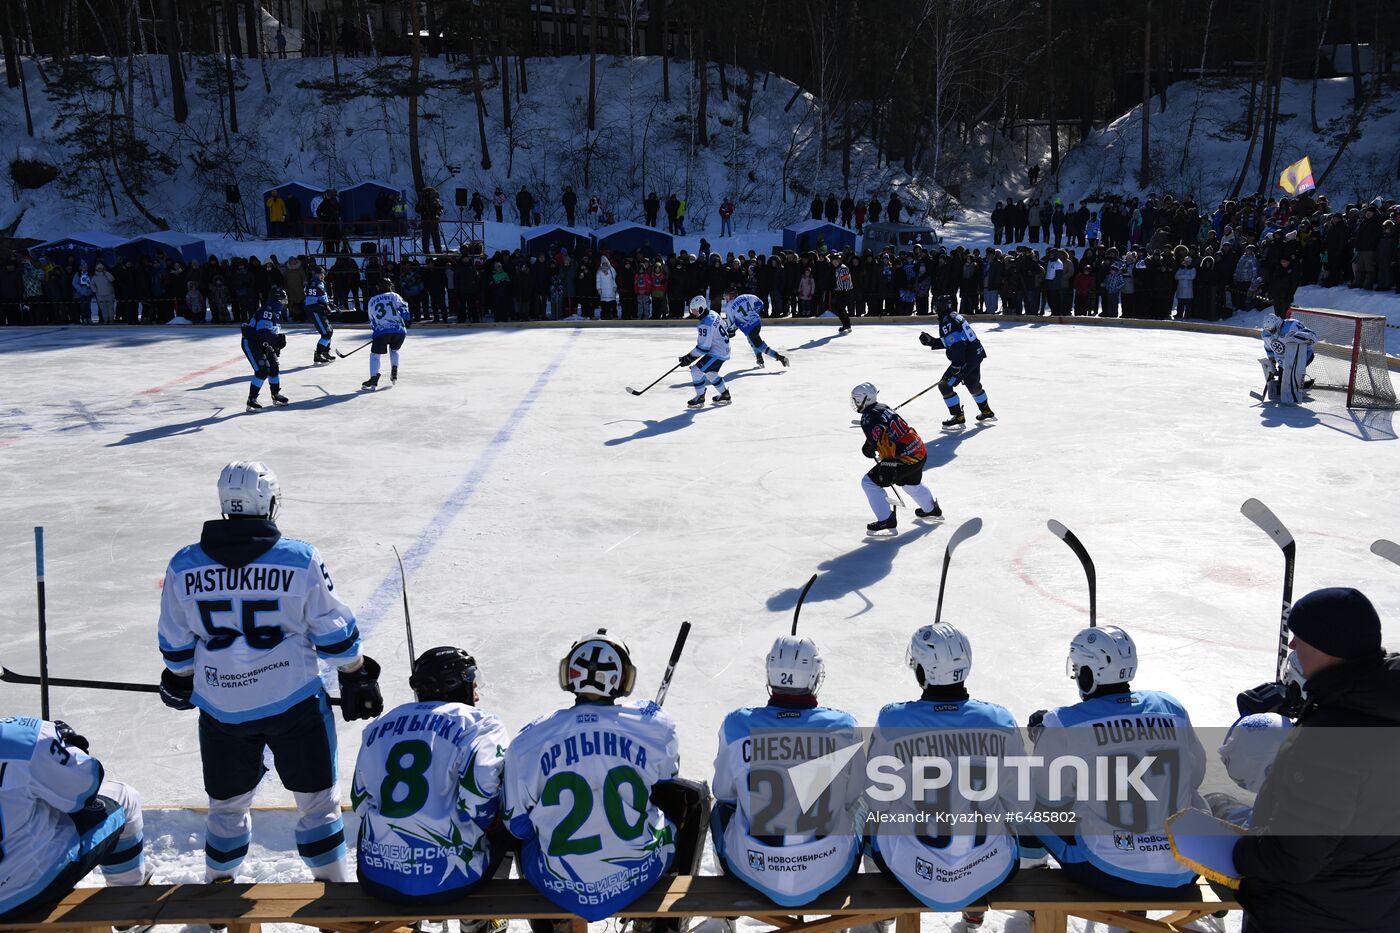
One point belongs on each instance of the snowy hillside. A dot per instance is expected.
(294, 132)
(1108, 160)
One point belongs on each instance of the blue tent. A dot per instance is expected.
(87, 246)
(810, 234)
(299, 191)
(179, 246)
(549, 237)
(628, 237)
(359, 203)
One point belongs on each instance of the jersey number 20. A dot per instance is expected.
(562, 841)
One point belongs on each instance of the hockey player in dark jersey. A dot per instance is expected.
(263, 341)
(899, 457)
(965, 356)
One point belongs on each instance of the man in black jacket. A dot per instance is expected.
(1324, 853)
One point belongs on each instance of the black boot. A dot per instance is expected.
(758, 358)
(723, 398)
(277, 397)
(784, 360)
(393, 374)
(934, 512)
(371, 383)
(697, 401)
(253, 399)
(956, 420)
(886, 525)
(985, 412)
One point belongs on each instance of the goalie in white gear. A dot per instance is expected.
(948, 865)
(1289, 345)
(60, 818)
(427, 788)
(710, 353)
(252, 613)
(592, 790)
(798, 852)
(1119, 840)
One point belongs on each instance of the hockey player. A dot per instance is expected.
(1119, 840)
(745, 312)
(592, 789)
(388, 318)
(1289, 345)
(949, 866)
(427, 788)
(245, 615)
(965, 356)
(710, 354)
(799, 852)
(61, 817)
(318, 312)
(899, 457)
(263, 341)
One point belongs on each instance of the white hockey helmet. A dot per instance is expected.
(863, 396)
(1293, 674)
(698, 306)
(1099, 656)
(248, 489)
(795, 666)
(1251, 746)
(939, 655)
(1272, 322)
(598, 665)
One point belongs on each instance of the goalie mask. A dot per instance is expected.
(598, 666)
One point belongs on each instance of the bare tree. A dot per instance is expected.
(173, 44)
(1317, 61)
(415, 64)
(1200, 90)
(1145, 157)
(593, 69)
(480, 110)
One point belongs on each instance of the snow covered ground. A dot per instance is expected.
(534, 501)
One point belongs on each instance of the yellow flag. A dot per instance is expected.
(1297, 178)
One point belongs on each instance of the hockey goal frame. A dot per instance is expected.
(1357, 321)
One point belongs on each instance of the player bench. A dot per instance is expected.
(345, 909)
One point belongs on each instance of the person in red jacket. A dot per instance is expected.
(642, 282)
(726, 211)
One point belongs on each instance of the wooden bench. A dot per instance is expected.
(345, 909)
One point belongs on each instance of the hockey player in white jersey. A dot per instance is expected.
(427, 788)
(1128, 740)
(711, 352)
(388, 318)
(964, 847)
(1289, 345)
(797, 852)
(592, 790)
(245, 617)
(745, 312)
(60, 818)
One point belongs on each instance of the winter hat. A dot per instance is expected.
(1338, 620)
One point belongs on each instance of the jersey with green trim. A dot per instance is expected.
(41, 782)
(578, 792)
(427, 787)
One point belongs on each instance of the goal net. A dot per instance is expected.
(1349, 355)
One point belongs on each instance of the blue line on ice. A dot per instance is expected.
(386, 594)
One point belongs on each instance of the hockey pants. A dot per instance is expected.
(970, 376)
(875, 494)
(706, 370)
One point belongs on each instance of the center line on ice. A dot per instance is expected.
(386, 595)
(154, 390)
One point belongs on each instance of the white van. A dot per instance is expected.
(903, 237)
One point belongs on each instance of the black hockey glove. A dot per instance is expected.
(1036, 725)
(868, 450)
(281, 341)
(688, 359)
(68, 737)
(1271, 698)
(359, 692)
(176, 689)
(926, 338)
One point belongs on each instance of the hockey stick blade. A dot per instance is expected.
(354, 351)
(676, 650)
(964, 531)
(407, 619)
(1268, 522)
(12, 677)
(1387, 549)
(801, 598)
(1059, 530)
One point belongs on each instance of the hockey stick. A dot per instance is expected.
(1387, 549)
(801, 598)
(354, 351)
(856, 422)
(43, 622)
(658, 379)
(676, 650)
(11, 677)
(407, 619)
(964, 531)
(1068, 537)
(1268, 522)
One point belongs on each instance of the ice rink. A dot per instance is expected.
(534, 500)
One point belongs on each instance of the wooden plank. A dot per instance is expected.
(1046, 920)
(834, 924)
(907, 923)
(1124, 921)
(1183, 917)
